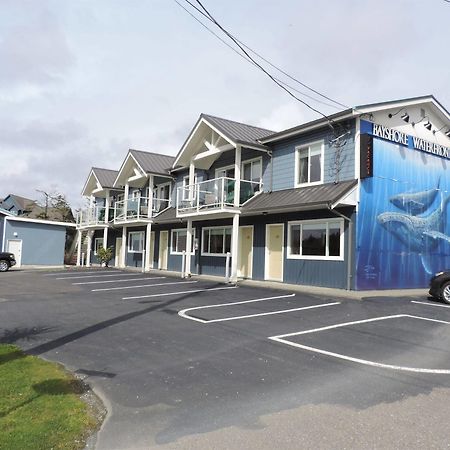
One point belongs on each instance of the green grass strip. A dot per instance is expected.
(40, 404)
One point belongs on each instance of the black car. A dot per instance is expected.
(6, 261)
(440, 286)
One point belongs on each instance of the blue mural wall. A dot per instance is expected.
(403, 232)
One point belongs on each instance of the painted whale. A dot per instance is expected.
(419, 234)
(415, 202)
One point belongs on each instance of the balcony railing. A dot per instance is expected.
(137, 209)
(94, 216)
(213, 195)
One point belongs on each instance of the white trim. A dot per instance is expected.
(322, 163)
(218, 169)
(176, 230)
(224, 227)
(317, 257)
(44, 222)
(252, 160)
(266, 253)
(123, 165)
(18, 257)
(141, 233)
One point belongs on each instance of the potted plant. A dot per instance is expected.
(105, 255)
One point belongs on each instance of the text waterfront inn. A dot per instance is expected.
(361, 204)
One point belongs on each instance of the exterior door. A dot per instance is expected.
(118, 251)
(245, 266)
(152, 248)
(274, 252)
(15, 246)
(163, 249)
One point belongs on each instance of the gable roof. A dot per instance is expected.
(155, 163)
(23, 203)
(105, 177)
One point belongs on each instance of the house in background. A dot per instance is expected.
(18, 205)
(33, 241)
(356, 200)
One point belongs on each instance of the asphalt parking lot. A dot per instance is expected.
(199, 364)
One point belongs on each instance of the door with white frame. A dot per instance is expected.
(245, 262)
(273, 269)
(118, 251)
(163, 249)
(15, 246)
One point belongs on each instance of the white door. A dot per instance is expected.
(245, 264)
(274, 252)
(163, 249)
(15, 246)
(118, 251)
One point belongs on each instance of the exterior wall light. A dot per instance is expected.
(404, 116)
(428, 125)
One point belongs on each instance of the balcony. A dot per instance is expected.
(93, 217)
(211, 196)
(137, 209)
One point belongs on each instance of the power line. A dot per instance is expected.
(208, 16)
(268, 74)
(244, 58)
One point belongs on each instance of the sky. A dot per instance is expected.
(82, 81)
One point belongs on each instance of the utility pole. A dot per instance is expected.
(46, 202)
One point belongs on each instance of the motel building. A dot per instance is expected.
(359, 201)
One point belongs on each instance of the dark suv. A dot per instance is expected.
(6, 261)
(440, 286)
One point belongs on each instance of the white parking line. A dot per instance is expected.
(98, 276)
(141, 286)
(431, 304)
(61, 272)
(118, 281)
(179, 292)
(281, 338)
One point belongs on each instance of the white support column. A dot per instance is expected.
(148, 238)
(125, 198)
(234, 248)
(191, 180)
(91, 201)
(107, 206)
(105, 238)
(89, 248)
(150, 197)
(79, 243)
(188, 247)
(124, 247)
(237, 176)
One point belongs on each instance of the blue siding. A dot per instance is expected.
(284, 158)
(42, 244)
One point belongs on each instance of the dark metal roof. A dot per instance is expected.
(168, 215)
(299, 198)
(153, 162)
(240, 133)
(106, 177)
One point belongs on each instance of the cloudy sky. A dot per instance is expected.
(81, 81)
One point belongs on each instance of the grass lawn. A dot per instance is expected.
(40, 404)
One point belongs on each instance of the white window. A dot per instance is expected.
(316, 239)
(252, 170)
(309, 164)
(178, 241)
(98, 242)
(216, 241)
(186, 185)
(135, 194)
(135, 241)
(227, 172)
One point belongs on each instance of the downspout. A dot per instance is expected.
(350, 246)
(271, 170)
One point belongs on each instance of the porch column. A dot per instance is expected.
(124, 247)
(150, 197)
(191, 180)
(107, 206)
(188, 247)
(148, 239)
(105, 238)
(237, 176)
(234, 248)
(125, 198)
(79, 243)
(89, 248)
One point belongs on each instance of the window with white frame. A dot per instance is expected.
(186, 185)
(309, 164)
(252, 170)
(316, 239)
(98, 243)
(135, 241)
(178, 241)
(216, 241)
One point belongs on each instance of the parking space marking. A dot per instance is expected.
(431, 304)
(118, 281)
(179, 292)
(98, 276)
(141, 286)
(281, 339)
(61, 272)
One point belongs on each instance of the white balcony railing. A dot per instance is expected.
(213, 195)
(93, 216)
(137, 209)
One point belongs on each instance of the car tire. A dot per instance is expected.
(445, 292)
(4, 265)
